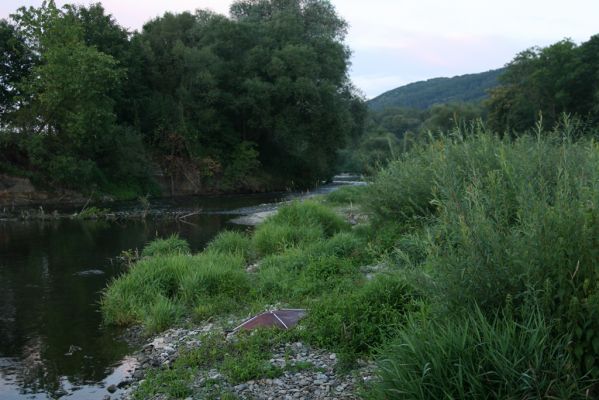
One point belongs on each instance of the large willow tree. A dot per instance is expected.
(264, 90)
(259, 99)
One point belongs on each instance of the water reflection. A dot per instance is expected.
(52, 341)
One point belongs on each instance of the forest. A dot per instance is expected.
(255, 101)
(258, 100)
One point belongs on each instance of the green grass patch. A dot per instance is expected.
(239, 360)
(157, 290)
(233, 242)
(347, 195)
(309, 212)
(167, 246)
(274, 238)
(472, 358)
(355, 322)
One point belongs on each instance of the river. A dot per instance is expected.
(52, 341)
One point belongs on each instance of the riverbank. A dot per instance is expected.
(461, 253)
(286, 364)
(296, 370)
(20, 201)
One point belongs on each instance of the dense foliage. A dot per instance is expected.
(395, 130)
(472, 249)
(563, 77)
(505, 228)
(424, 94)
(257, 99)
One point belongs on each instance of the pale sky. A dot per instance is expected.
(395, 42)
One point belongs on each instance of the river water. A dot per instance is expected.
(52, 341)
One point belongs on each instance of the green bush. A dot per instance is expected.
(162, 247)
(490, 219)
(357, 322)
(472, 358)
(233, 242)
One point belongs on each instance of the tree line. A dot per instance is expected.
(534, 91)
(256, 100)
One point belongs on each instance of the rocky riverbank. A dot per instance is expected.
(307, 372)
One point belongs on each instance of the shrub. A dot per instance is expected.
(162, 247)
(494, 218)
(472, 358)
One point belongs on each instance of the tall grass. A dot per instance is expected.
(497, 220)
(472, 358)
(354, 322)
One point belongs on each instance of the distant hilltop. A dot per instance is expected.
(423, 94)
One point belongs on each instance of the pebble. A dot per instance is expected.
(319, 381)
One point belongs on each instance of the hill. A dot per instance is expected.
(463, 88)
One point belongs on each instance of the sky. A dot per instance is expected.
(395, 42)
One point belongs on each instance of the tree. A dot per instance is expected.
(16, 63)
(561, 78)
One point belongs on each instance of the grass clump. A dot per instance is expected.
(157, 290)
(347, 195)
(233, 242)
(473, 358)
(355, 323)
(161, 314)
(168, 246)
(274, 238)
(92, 213)
(310, 213)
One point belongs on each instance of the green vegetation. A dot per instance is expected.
(239, 361)
(91, 213)
(538, 86)
(257, 100)
(549, 81)
(164, 247)
(158, 289)
(424, 94)
(356, 323)
(479, 252)
(473, 358)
